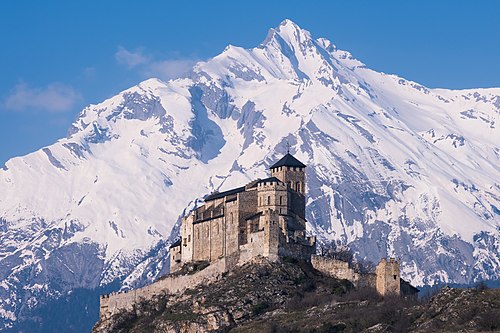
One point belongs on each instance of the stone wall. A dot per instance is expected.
(296, 250)
(254, 246)
(114, 302)
(298, 204)
(208, 239)
(270, 221)
(187, 238)
(247, 203)
(231, 226)
(110, 304)
(334, 268)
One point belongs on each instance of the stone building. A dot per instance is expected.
(265, 218)
(388, 279)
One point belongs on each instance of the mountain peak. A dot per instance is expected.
(288, 31)
(288, 24)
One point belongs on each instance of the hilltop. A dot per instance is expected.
(290, 296)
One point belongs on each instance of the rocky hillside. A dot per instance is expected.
(292, 297)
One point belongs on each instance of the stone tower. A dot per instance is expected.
(291, 171)
(388, 275)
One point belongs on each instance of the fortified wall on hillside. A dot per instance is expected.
(265, 218)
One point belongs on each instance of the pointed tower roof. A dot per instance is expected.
(288, 160)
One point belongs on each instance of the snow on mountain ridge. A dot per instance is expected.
(395, 168)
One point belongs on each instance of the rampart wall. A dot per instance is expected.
(110, 304)
(334, 268)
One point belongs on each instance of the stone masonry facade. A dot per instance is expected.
(263, 218)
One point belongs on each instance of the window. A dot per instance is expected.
(197, 233)
(281, 200)
(268, 200)
(189, 238)
(395, 277)
(297, 186)
(254, 226)
(185, 241)
(231, 216)
(217, 228)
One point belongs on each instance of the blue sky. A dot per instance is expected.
(59, 56)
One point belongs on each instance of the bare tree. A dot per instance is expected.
(364, 266)
(337, 250)
(340, 251)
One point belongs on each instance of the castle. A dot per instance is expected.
(265, 218)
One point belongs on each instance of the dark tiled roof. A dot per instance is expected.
(218, 195)
(266, 180)
(288, 160)
(176, 243)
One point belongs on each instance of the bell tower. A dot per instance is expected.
(290, 171)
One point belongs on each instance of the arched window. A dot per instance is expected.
(297, 186)
(268, 200)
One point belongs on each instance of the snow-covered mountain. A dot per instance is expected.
(394, 169)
